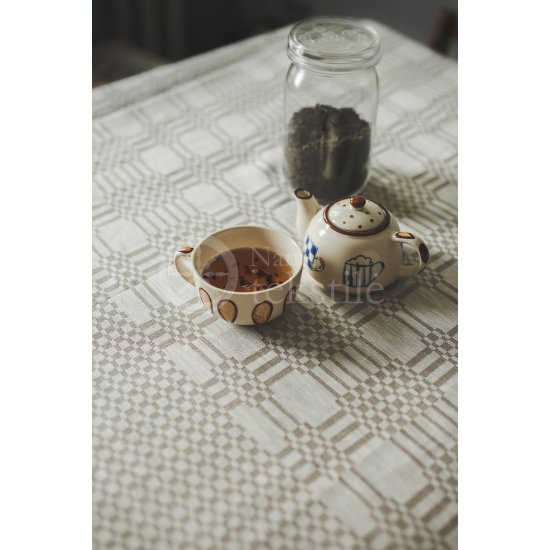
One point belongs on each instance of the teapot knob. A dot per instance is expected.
(357, 201)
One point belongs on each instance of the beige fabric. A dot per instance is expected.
(332, 427)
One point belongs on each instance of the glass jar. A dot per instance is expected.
(331, 99)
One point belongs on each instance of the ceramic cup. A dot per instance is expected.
(241, 308)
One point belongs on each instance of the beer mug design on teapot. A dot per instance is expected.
(361, 271)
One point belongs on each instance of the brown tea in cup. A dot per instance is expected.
(247, 269)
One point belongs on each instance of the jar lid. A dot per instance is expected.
(334, 43)
(357, 216)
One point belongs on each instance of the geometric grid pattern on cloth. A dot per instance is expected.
(334, 426)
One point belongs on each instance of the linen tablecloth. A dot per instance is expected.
(334, 426)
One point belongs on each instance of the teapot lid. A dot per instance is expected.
(357, 215)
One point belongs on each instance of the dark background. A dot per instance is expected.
(130, 36)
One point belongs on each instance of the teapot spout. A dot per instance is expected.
(307, 207)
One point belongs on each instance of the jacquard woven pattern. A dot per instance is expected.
(334, 426)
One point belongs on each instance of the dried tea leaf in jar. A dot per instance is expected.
(331, 100)
(327, 150)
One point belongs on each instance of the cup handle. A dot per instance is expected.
(421, 249)
(182, 256)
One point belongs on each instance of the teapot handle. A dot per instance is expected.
(421, 248)
(181, 256)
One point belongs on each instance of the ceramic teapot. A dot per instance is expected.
(352, 243)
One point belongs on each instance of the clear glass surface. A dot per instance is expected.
(331, 99)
